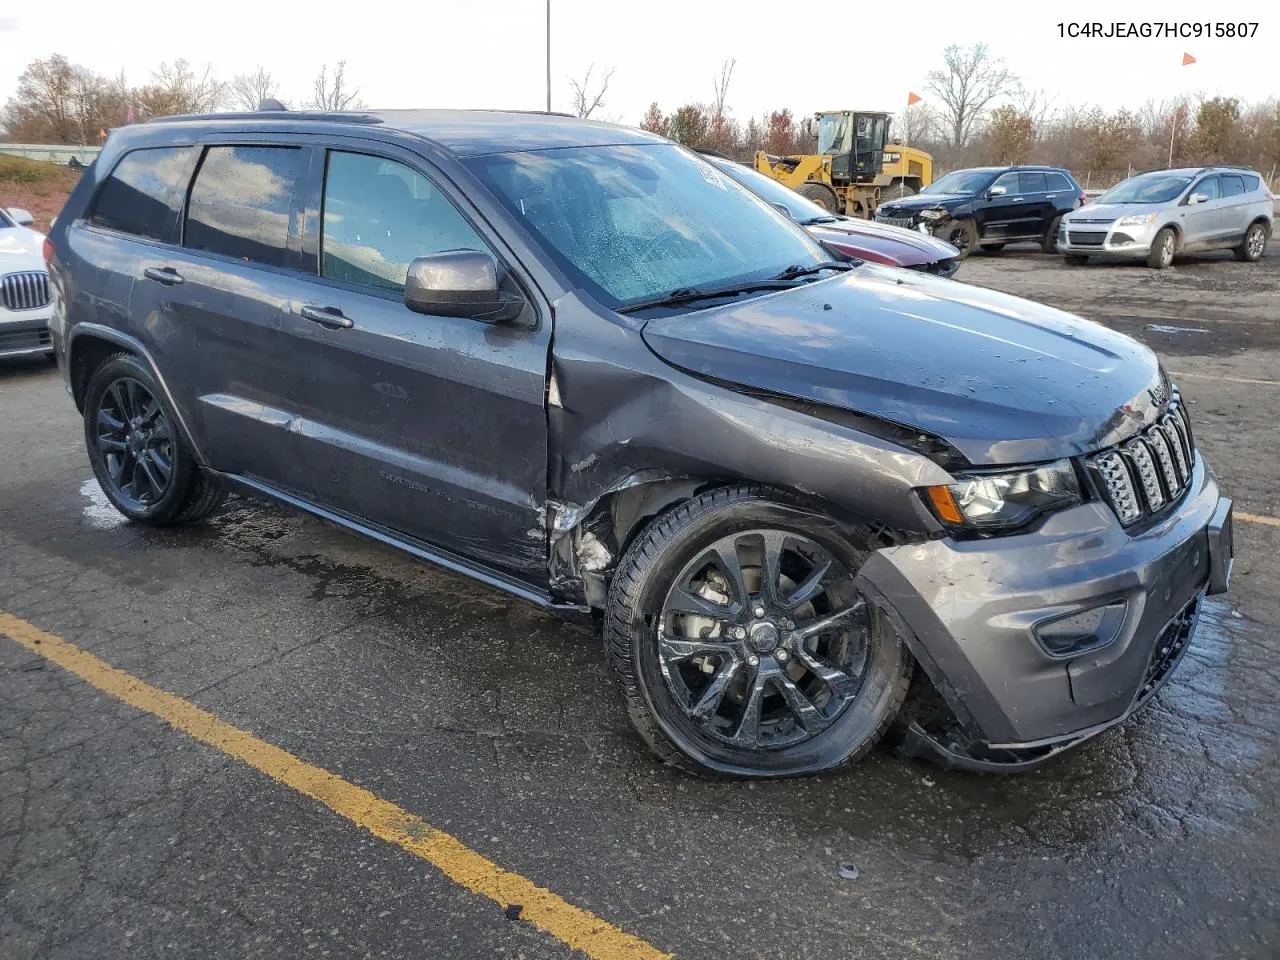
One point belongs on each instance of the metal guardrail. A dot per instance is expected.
(51, 152)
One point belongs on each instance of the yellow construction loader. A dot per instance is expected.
(854, 167)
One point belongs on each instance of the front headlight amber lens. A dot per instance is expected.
(1007, 500)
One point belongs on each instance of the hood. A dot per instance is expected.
(1004, 380)
(883, 243)
(923, 201)
(1109, 211)
(20, 249)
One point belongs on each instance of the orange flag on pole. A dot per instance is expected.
(1188, 59)
(912, 98)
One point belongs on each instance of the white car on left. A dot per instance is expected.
(26, 301)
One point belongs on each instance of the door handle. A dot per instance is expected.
(330, 317)
(166, 275)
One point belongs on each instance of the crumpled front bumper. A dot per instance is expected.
(967, 609)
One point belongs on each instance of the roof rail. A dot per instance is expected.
(332, 116)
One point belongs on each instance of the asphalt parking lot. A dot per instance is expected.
(488, 720)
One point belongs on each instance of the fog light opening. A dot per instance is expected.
(1078, 632)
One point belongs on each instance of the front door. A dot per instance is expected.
(1201, 220)
(430, 426)
(1005, 210)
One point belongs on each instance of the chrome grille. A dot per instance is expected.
(25, 291)
(895, 221)
(1150, 471)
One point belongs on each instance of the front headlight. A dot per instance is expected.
(1005, 500)
(932, 214)
(1135, 220)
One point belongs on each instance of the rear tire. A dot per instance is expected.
(896, 191)
(137, 451)
(1162, 249)
(1049, 242)
(1254, 244)
(820, 194)
(821, 701)
(961, 234)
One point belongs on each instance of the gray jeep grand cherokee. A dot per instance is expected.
(578, 363)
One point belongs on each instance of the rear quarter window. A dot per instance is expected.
(143, 194)
(1057, 182)
(242, 201)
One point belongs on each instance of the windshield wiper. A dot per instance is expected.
(692, 294)
(802, 270)
(813, 220)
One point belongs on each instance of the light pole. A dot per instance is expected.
(548, 56)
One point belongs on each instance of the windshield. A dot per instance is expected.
(634, 223)
(802, 209)
(1153, 188)
(960, 182)
(834, 133)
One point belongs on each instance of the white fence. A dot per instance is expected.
(53, 152)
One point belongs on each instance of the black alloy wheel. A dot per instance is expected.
(961, 234)
(742, 644)
(138, 454)
(136, 441)
(763, 640)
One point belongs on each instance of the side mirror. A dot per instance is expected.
(460, 283)
(21, 217)
(997, 192)
(1197, 198)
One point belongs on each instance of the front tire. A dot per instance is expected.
(137, 452)
(961, 234)
(741, 643)
(1255, 243)
(1162, 249)
(820, 194)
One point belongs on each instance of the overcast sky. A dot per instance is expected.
(490, 53)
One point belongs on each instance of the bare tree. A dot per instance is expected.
(584, 101)
(175, 88)
(248, 90)
(331, 92)
(914, 124)
(722, 89)
(42, 110)
(971, 81)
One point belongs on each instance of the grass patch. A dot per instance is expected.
(22, 170)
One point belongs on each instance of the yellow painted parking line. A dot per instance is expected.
(574, 926)
(1257, 518)
(1184, 375)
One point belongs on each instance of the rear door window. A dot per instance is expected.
(1031, 183)
(1232, 186)
(379, 216)
(242, 202)
(143, 195)
(1057, 183)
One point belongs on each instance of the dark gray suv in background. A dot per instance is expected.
(577, 362)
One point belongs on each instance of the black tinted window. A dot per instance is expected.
(1232, 186)
(241, 202)
(144, 193)
(1057, 182)
(1031, 183)
(379, 216)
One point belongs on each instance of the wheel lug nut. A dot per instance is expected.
(753, 660)
(757, 611)
(781, 653)
(738, 633)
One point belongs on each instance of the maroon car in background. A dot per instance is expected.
(864, 239)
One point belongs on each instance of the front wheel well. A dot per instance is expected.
(87, 353)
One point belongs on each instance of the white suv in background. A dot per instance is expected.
(26, 303)
(1157, 215)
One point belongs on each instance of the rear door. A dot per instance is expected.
(1202, 219)
(220, 306)
(431, 426)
